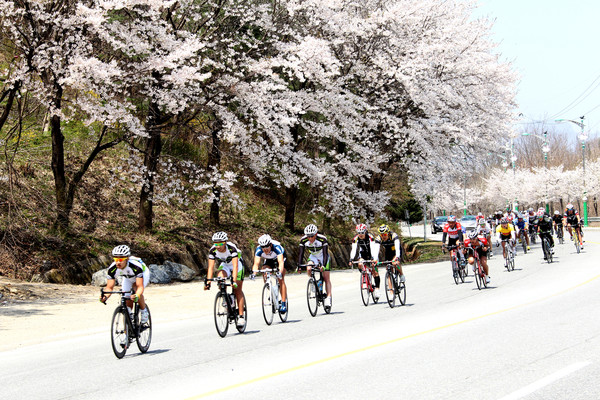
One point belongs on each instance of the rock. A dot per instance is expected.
(179, 272)
(158, 274)
(38, 278)
(100, 278)
(54, 276)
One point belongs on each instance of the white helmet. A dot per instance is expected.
(473, 234)
(121, 251)
(219, 237)
(556, 212)
(264, 241)
(311, 229)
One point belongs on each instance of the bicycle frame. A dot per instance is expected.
(273, 287)
(133, 325)
(319, 282)
(222, 284)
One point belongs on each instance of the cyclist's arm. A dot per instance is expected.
(353, 251)
(234, 262)
(257, 257)
(398, 248)
(325, 254)
(444, 238)
(139, 286)
(110, 284)
(210, 270)
(301, 254)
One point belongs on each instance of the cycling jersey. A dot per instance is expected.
(545, 224)
(276, 250)
(521, 224)
(318, 250)
(505, 231)
(452, 232)
(135, 269)
(558, 219)
(366, 248)
(391, 247)
(223, 260)
(572, 219)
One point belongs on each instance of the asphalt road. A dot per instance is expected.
(532, 334)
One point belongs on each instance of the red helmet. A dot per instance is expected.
(361, 228)
(452, 218)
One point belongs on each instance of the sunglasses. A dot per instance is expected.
(265, 247)
(119, 259)
(219, 244)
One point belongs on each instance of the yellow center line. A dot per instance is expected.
(385, 343)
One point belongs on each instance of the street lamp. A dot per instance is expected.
(583, 137)
(545, 150)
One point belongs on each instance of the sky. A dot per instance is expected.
(554, 47)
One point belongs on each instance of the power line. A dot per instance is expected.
(579, 98)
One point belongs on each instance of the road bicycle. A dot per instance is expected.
(546, 249)
(393, 286)
(509, 256)
(480, 278)
(459, 270)
(367, 281)
(271, 302)
(560, 234)
(316, 292)
(226, 309)
(523, 241)
(126, 328)
(533, 234)
(577, 234)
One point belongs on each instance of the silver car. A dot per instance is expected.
(468, 222)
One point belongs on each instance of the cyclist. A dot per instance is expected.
(273, 254)
(453, 230)
(135, 275)
(545, 229)
(506, 232)
(392, 249)
(364, 247)
(318, 249)
(573, 221)
(532, 219)
(483, 229)
(522, 225)
(228, 259)
(479, 244)
(558, 222)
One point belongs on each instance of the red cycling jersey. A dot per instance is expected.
(452, 232)
(482, 240)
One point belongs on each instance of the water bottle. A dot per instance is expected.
(320, 285)
(232, 299)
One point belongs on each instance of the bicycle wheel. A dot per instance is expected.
(577, 245)
(401, 290)
(242, 329)
(524, 244)
(390, 291)
(145, 335)
(375, 298)
(364, 288)
(221, 314)
(267, 304)
(283, 316)
(311, 297)
(478, 278)
(456, 272)
(119, 335)
(481, 274)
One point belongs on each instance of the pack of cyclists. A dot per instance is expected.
(225, 257)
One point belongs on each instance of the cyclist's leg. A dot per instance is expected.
(239, 294)
(484, 264)
(376, 276)
(146, 276)
(327, 278)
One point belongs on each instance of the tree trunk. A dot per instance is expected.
(214, 162)
(63, 209)
(151, 157)
(290, 206)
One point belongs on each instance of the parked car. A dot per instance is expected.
(468, 222)
(437, 224)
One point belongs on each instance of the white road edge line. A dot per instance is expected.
(527, 390)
